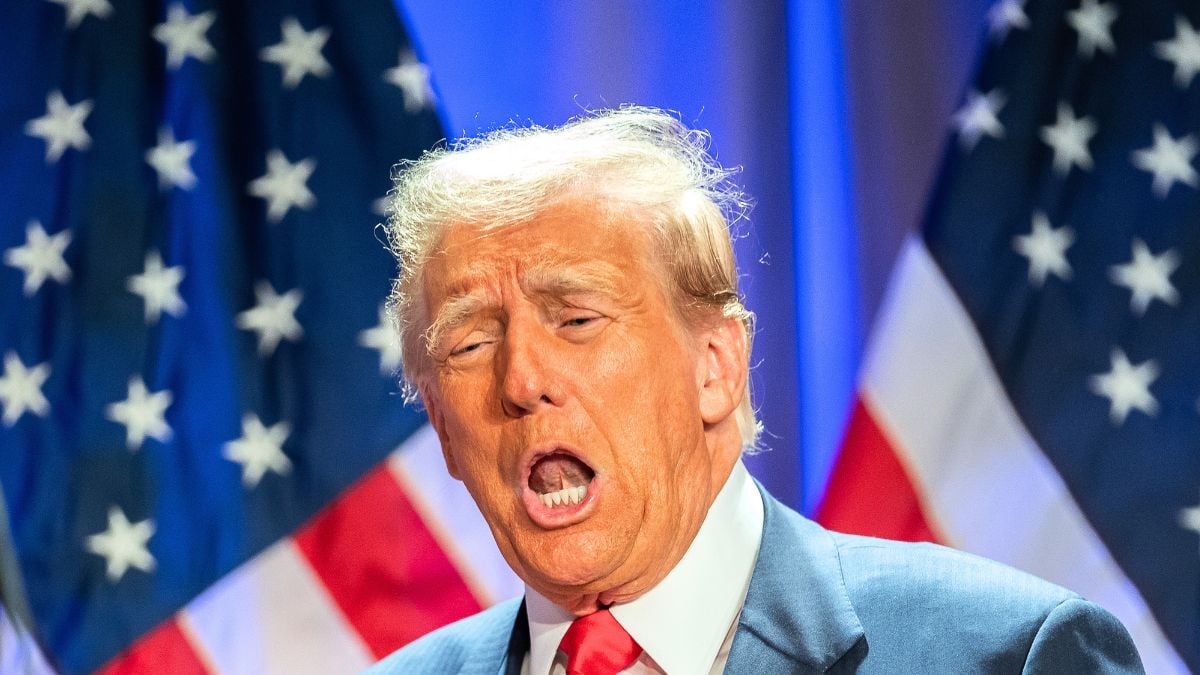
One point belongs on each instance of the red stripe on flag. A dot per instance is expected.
(869, 491)
(382, 566)
(165, 649)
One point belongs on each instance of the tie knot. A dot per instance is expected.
(597, 645)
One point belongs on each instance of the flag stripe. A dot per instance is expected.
(273, 615)
(381, 565)
(18, 652)
(870, 491)
(166, 649)
(972, 458)
(450, 514)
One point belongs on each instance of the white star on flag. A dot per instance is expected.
(62, 126)
(1127, 387)
(1183, 50)
(21, 389)
(172, 159)
(142, 413)
(1189, 518)
(978, 117)
(123, 544)
(284, 185)
(1093, 22)
(273, 318)
(412, 77)
(1169, 159)
(1046, 249)
(41, 257)
(1069, 137)
(78, 10)
(159, 288)
(183, 35)
(259, 449)
(1004, 16)
(299, 52)
(1147, 276)
(380, 206)
(384, 339)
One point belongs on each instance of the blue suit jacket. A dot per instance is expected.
(820, 601)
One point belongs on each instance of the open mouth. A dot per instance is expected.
(560, 480)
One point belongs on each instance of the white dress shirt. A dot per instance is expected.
(686, 623)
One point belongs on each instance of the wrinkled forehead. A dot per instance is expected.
(571, 244)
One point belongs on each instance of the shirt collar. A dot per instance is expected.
(682, 621)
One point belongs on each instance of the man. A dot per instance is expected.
(569, 316)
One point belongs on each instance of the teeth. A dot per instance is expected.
(564, 497)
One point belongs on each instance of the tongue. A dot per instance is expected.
(555, 472)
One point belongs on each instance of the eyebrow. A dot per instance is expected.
(555, 281)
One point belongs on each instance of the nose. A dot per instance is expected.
(528, 380)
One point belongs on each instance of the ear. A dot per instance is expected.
(434, 410)
(723, 371)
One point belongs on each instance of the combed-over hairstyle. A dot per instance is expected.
(640, 165)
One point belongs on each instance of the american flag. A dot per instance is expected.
(1032, 390)
(200, 417)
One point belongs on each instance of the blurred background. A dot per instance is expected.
(198, 455)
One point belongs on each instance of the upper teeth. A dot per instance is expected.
(570, 495)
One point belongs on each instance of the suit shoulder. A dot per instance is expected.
(452, 648)
(944, 604)
(873, 567)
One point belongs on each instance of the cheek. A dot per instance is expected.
(646, 398)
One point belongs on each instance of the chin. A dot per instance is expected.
(571, 565)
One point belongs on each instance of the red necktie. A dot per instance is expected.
(597, 645)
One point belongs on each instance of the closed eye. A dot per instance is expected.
(469, 348)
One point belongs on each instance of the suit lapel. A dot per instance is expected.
(493, 649)
(518, 644)
(797, 612)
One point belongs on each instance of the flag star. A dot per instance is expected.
(159, 288)
(183, 35)
(1046, 249)
(1093, 21)
(21, 389)
(62, 126)
(123, 544)
(142, 413)
(1189, 518)
(380, 206)
(299, 53)
(172, 160)
(259, 449)
(382, 338)
(412, 77)
(284, 185)
(41, 257)
(1006, 15)
(978, 117)
(1127, 387)
(1147, 276)
(1169, 159)
(273, 318)
(1183, 50)
(1069, 137)
(78, 10)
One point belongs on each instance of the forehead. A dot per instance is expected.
(576, 236)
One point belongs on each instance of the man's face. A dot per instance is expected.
(567, 397)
